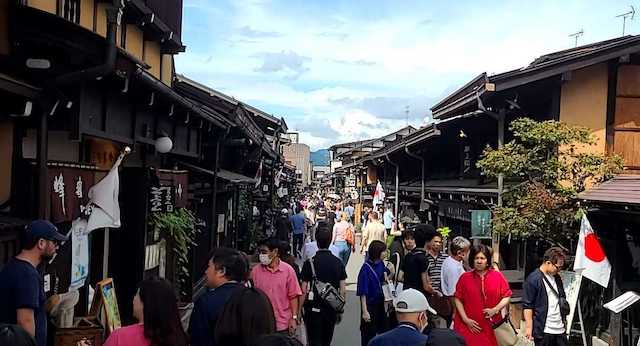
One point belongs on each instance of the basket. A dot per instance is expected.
(88, 330)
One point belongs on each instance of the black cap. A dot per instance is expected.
(46, 230)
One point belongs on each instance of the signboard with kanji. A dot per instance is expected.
(69, 188)
(169, 192)
(480, 224)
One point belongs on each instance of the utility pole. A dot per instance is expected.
(624, 16)
(406, 112)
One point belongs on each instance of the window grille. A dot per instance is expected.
(69, 10)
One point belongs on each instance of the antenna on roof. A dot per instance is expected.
(575, 35)
(626, 15)
(406, 112)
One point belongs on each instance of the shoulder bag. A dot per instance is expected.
(326, 292)
(388, 290)
(565, 308)
(504, 331)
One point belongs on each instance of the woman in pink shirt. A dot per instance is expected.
(156, 309)
(340, 237)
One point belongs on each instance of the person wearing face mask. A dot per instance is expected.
(480, 296)
(411, 311)
(226, 271)
(22, 297)
(278, 281)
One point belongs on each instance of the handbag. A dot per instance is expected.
(327, 293)
(565, 308)
(505, 332)
(388, 289)
(349, 237)
(441, 304)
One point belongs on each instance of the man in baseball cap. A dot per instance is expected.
(411, 311)
(22, 295)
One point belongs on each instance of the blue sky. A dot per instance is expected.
(339, 71)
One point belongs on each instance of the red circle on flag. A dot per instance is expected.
(592, 248)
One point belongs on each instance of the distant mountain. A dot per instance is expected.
(320, 157)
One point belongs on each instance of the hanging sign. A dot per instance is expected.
(69, 189)
(480, 224)
(79, 253)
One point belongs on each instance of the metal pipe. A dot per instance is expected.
(397, 202)
(421, 159)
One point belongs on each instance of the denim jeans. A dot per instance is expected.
(344, 251)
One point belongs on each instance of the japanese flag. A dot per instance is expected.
(378, 195)
(590, 257)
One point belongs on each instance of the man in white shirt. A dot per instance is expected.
(374, 231)
(453, 267)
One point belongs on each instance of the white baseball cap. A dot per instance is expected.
(284, 211)
(411, 300)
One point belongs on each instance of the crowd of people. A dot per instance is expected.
(292, 291)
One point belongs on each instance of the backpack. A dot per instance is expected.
(326, 292)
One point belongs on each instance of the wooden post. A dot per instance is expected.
(214, 196)
(495, 238)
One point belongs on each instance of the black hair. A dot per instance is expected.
(376, 248)
(276, 339)
(420, 234)
(432, 234)
(408, 234)
(247, 315)
(272, 244)
(481, 248)
(14, 335)
(554, 254)
(323, 238)
(235, 264)
(162, 326)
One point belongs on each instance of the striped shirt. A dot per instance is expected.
(435, 269)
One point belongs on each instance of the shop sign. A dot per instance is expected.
(481, 224)
(69, 189)
(161, 199)
(169, 193)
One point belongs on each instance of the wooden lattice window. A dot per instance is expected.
(69, 10)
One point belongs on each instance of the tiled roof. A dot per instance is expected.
(622, 189)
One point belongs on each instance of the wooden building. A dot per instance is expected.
(82, 79)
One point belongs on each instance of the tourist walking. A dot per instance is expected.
(544, 301)
(480, 296)
(411, 311)
(374, 231)
(156, 309)
(435, 258)
(278, 281)
(298, 225)
(320, 318)
(226, 271)
(388, 219)
(284, 229)
(453, 268)
(414, 269)
(341, 232)
(246, 316)
(399, 248)
(369, 288)
(350, 210)
(22, 296)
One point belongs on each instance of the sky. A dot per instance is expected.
(340, 71)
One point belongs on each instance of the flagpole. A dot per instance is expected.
(105, 246)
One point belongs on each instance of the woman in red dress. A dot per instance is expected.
(480, 296)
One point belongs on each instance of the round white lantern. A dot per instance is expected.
(164, 145)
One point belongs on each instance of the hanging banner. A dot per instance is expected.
(480, 224)
(69, 191)
(79, 253)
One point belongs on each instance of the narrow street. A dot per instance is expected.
(347, 333)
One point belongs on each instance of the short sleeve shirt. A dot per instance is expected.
(415, 263)
(21, 286)
(280, 286)
(328, 269)
(297, 222)
(435, 269)
(451, 272)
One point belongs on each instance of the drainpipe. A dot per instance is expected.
(214, 191)
(421, 159)
(397, 203)
(114, 14)
(500, 117)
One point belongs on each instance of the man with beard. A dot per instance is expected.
(22, 296)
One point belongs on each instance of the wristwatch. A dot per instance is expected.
(295, 317)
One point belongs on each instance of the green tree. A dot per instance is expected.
(545, 169)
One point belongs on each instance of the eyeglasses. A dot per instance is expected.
(558, 268)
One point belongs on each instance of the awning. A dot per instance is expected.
(232, 177)
(622, 189)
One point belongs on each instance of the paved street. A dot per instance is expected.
(347, 333)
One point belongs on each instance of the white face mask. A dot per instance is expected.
(264, 259)
(423, 327)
